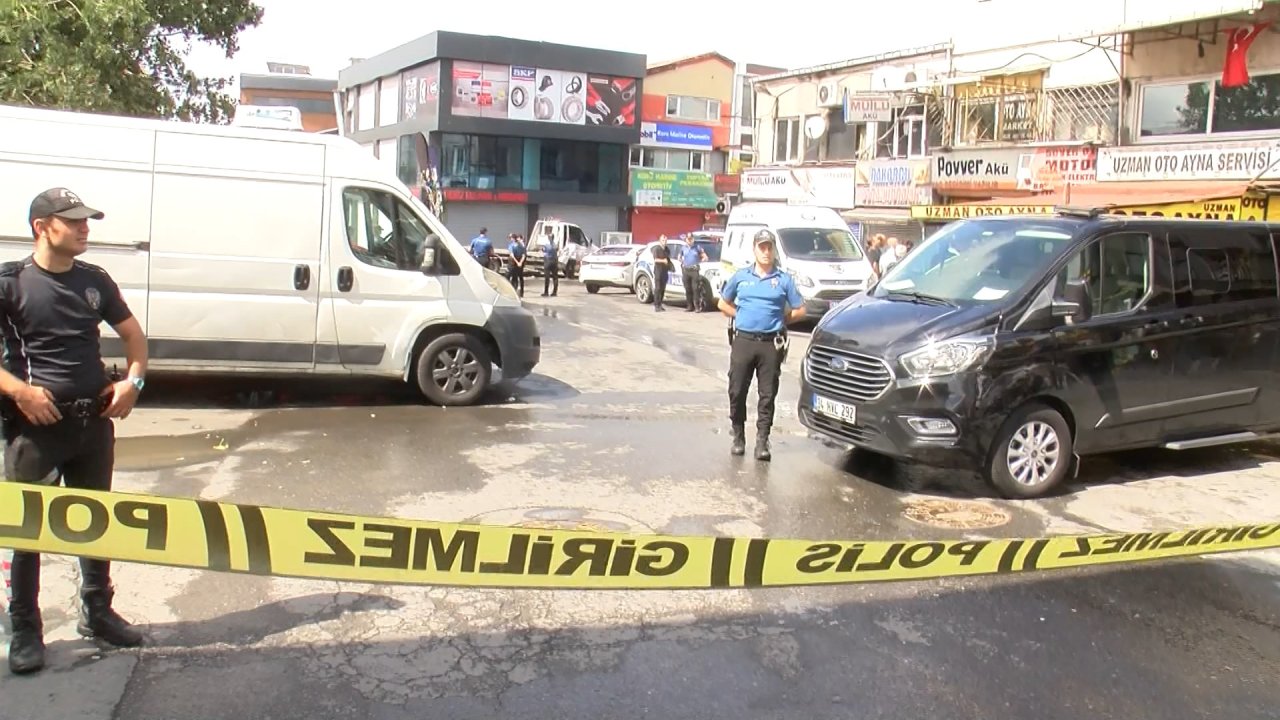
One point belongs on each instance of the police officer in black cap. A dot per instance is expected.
(760, 301)
(58, 401)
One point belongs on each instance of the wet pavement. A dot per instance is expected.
(623, 427)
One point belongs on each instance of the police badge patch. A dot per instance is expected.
(774, 282)
(93, 297)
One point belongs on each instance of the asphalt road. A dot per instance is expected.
(624, 426)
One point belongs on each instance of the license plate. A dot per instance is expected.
(832, 408)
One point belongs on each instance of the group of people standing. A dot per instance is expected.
(884, 252)
(691, 259)
(481, 250)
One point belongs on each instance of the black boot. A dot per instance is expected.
(26, 647)
(739, 440)
(762, 446)
(98, 621)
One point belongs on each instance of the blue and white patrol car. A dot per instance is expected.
(714, 273)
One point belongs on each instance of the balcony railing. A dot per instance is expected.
(1079, 113)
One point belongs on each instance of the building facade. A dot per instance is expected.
(293, 86)
(510, 130)
(685, 134)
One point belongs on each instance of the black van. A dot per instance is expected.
(1014, 345)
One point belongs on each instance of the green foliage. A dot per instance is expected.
(118, 56)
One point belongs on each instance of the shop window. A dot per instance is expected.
(613, 172)
(407, 160)
(842, 140)
(669, 159)
(692, 108)
(1204, 107)
(569, 166)
(786, 139)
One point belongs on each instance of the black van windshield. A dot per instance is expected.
(824, 244)
(976, 261)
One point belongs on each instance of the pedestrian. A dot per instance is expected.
(59, 402)
(482, 247)
(760, 301)
(890, 255)
(691, 274)
(874, 249)
(550, 265)
(517, 249)
(661, 266)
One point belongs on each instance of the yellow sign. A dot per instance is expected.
(252, 539)
(1246, 208)
(960, 212)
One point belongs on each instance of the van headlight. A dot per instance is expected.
(946, 358)
(500, 285)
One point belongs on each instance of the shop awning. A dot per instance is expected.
(1213, 199)
(1120, 194)
(876, 213)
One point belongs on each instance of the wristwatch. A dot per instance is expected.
(138, 382)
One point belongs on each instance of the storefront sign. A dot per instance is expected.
(831, 187)
(672, 188)
(728, 184)
(960, 212)
(519, 92)
(689, 137)
(502, 196)
(1191, 161)
(1040, 168)
(1247, 208)
(893, 183)
(864, 107)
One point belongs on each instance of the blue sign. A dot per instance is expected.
(695, 137)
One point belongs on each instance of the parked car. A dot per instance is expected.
(609, 266)
(711, 269)
(1014, 345)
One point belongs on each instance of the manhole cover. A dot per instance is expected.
(955, 514)
(561, 518)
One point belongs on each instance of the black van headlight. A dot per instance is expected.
(946, 358)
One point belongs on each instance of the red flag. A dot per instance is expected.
(1235, 72)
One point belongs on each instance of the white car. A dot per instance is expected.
(609, 266)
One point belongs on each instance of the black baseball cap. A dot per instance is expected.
(63, 203)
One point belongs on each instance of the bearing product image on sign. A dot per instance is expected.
(241, 538)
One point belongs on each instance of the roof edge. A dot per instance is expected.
(858, 62)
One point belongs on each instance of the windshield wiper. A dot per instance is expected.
(921, 298)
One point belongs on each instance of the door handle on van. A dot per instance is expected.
(301, 277)
(1191, 320)
(346, 279)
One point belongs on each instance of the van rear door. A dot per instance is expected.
(236, 230)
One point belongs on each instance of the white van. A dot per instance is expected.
(814, 245)
(244, 250)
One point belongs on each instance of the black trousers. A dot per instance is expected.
(763, 359)
(84, 451)
(550, 278)
(659, 285)
(692, 292)
(517, 277)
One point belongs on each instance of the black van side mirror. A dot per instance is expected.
(1074, 303)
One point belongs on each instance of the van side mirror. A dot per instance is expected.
(430, 255)
(1074, 303)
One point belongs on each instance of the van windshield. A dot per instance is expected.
(976, 261)
(821, 244)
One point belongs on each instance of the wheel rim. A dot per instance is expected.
(642, 289)
(1034, 453)
(456, 371)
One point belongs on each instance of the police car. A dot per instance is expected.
(714, 273)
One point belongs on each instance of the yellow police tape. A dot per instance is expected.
(233, 537)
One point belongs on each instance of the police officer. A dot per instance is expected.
(550, 265)
(516, 270)
(760, 301)
(691, 274)
(58, 401)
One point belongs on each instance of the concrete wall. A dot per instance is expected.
(710, 78)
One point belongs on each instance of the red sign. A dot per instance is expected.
(728, 184)
(502, 196)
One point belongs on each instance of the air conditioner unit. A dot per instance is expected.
(723, 205)
(829, 94)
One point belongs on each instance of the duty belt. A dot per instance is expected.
(83, 407)
(757, 336)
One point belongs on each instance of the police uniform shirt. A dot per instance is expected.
(691, 256)
(761, 300)
(50, 326)
(517, 249)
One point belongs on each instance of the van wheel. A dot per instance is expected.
(1031, 454)
(644, 289)
(593, 288)
(454, 369)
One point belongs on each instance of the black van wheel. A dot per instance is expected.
(454, 369)
(1031, 453)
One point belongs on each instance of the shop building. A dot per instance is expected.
(293, 86)
(511, 130)
(685, 132)
(1197, 136)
